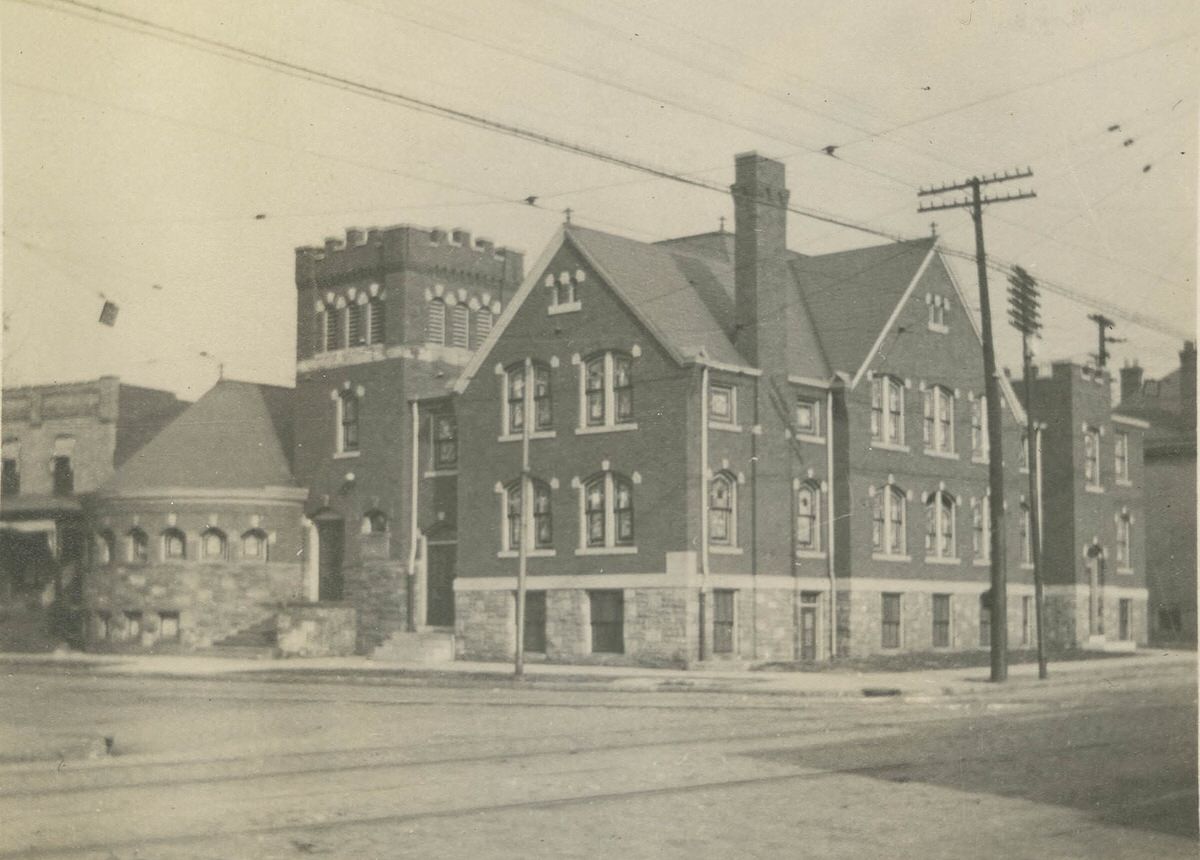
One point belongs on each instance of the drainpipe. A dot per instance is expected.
(829, 520)
(704, 643)
(413, 530)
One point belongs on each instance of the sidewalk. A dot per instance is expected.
(935, 682)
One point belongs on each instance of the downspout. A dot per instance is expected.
(704, 643)
(831, 543)
(413, 530)
(754, 528)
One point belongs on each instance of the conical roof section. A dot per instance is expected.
(231, 438)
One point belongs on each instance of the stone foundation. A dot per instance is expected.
(315, 630)
(378, 589)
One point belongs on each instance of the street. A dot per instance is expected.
(259, 768)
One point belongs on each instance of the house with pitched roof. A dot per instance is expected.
(736, 451)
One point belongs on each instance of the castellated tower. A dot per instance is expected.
(385, 320)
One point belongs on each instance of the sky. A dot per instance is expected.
(178, 183)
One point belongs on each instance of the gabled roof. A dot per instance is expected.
(850, 295)
(233, 437)
(664, 290)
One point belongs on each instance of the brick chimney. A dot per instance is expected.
(1131, 382)
(1187, 381)
(761, 279)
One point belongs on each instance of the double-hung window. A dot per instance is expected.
(1121, 457)
(888, 521)
(939, 420)
(1124, 558)
(347, 427)
(939, 526)
(722, 510)
(608, 390)
(890, 628)
(808, 517)
(541, 524)
(516, 405)
(887, 410)
(608, 511)
(1091, 457)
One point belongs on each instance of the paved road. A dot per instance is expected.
(247, 768)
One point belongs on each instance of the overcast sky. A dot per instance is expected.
(134, 167)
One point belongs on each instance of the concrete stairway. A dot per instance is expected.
(428, 648)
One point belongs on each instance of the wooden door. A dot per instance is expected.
(808, 633)
(331, 535)
(439, 585)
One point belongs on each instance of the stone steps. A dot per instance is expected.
(427, 648)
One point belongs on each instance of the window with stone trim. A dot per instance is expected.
(940, 516)
(981, 528)
(347, 427)
(356, 332)
(890, 626)
(1121, 456)
(887, 410)
(808, 517)
(254, 545)
(888, 515)
(105, 545)
(376, 320)
(608, 621)
(435, 322)
(213, 545)
(722, 509)
(1091, 457)
(331, 316)
(938, 424)
(608, 511)
(541, 523)
(445, 441)
(979, 429)
(941, 621)
(139, 546)
(607, 390)
(1124, 537)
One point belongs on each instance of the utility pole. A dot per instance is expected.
(523, 542)
(976, 202)
(1024, 312)
(1103, 324)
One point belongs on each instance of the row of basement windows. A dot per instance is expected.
(607, 621)
(361, 321)
(130, 624)
(942, 633)
(172, 545)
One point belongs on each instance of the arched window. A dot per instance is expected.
(105, 547)
(514, 398)
(460, 325)
(938, 426)
(981, 528)
(483, 325)
(939, 526)
(435, 322)
(254, 545)
(722, 510)
(174, 544)
(347, 428)
(212, 545)
(608, 511)
(356, 330)
(808, 516)
(888, 518)
(543, 410)
(139, 546)
(887, 410)
(374, 522)
(1124, 531)
(376, 320)
(607, 390)
(541, 515)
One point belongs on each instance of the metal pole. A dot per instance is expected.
(1035, 504)
(999, 607)
(522, 544)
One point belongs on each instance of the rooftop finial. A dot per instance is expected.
(567, 214)
(933, 229)
(722, 221)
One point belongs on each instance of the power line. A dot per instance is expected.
(99, 14)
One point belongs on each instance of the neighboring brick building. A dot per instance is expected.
(1169, 404)
(732, 445)
(60, 442)
(1093, 519)
(386, 318)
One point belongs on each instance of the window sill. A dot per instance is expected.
(1025, 565)
(719, 549)
(606, 550)
(536, 434)
(816, 440)
(1024, 470)
(1123, 483)
(1090, 488)
(533, 553)
(810, 553)
(345, 455)
(725, 425)
(568, 308)
(884, 557)
(604, 428)
(1126, 570)
(939, 560)
(982, 461)
(888, 446)
(939, 328)
(982, 562)
(943, 455)
(440, 473)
